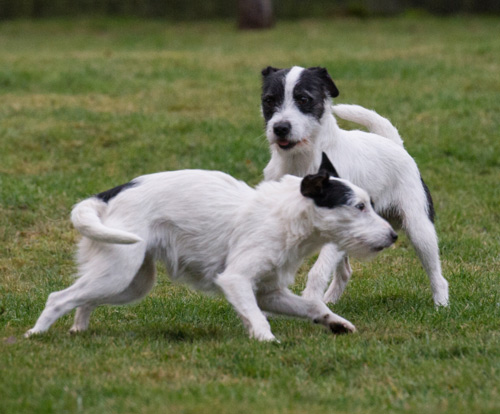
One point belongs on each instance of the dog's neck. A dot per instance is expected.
(293, 213)
(326, 136)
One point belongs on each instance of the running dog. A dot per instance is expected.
(216, 233)
(296, 105)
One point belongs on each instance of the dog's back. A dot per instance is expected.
(172, 213)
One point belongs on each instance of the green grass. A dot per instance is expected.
(87, 105)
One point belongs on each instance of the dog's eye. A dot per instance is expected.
(360, 206)
(303, 100)
(268, 100)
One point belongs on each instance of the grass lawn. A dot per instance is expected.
(87, 105)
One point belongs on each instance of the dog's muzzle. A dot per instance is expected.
(282, 131)
(391, 239)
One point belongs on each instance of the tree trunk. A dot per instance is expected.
(255, 14)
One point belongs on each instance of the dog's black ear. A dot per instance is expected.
(312, 185)
(327, 80)
(267, 71)
(326, 165)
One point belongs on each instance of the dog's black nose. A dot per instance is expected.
(282, 129)
(394, 236)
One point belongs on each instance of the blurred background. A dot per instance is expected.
(256, 12)
(96, 92)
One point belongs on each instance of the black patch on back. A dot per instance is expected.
(273, 90)
(431, 213)
(109, 194)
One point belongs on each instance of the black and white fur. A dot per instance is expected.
(216, 233)
(296, 105)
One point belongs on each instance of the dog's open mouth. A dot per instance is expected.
(285, 144)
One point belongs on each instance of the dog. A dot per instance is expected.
(216, 233)
(297, 109)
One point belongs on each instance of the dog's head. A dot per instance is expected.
(294, 102)
(344, 213)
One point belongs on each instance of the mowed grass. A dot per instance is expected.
(87, 105)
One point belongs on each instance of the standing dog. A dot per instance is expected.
(296, 105)
(216, 233)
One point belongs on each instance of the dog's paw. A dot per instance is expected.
(440, 293)
(441, 301)
(340, 328)
(30, 333)
(264, 336)
(441, 305)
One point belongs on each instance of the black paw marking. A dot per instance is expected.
(338, 329)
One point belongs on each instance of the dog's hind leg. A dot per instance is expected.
(108, 274)
(58, 304)
(140, 286)
(82, 318)
(284, 302)
(330, 261)
(422, 235)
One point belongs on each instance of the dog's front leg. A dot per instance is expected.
(238, 290)
(329, 259)
(284, 302)
(342, 275)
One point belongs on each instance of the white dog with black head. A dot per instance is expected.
(216, 233)
(296, 105)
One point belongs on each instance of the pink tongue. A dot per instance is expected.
(283, 142)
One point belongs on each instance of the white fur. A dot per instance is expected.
(215, 233)
(377, 163)
(370, 119)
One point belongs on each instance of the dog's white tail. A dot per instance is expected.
(86, 217)
(369, 119)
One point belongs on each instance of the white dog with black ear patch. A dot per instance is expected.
(216, 233)
(296, 105)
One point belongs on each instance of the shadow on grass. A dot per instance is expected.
(185, 333)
